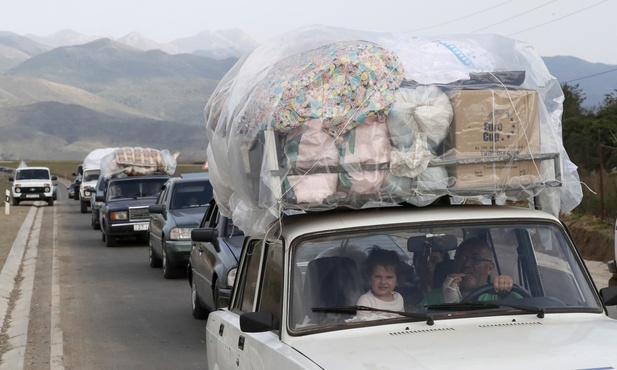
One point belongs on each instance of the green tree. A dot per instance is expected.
(575, 129)
(573, 101)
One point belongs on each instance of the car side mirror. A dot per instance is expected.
(256, 322)
(11, 178)
(158, 208)
(609, 295)
(98, 198)
(54, 178)
(206, 235)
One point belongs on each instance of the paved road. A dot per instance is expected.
(93, 307)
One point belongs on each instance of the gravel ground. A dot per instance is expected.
(10, 224)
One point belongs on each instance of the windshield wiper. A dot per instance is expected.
(353, 309)
(472, 306)
(529, 309)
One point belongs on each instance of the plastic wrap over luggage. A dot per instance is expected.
(134, 161)
(93, 159)
(323, 117)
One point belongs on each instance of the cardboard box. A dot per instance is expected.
(491, 123)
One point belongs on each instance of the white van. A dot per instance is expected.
(91, 171)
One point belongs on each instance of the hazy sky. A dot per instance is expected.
(581, 28)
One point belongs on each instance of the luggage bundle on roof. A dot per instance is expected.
(135, 161)
(356, 119)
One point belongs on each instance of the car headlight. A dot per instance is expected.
(47, 189)
(180, 233)
(117, 216)
(231, 277)
(17, 189)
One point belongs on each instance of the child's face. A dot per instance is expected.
(382, 281)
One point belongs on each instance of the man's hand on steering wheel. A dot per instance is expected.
(490, 289)
(502, 283)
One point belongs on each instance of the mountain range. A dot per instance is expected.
(66, 94)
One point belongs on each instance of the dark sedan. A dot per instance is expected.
(213, 261)
(95, 205)
(124, 211)
(179, 209)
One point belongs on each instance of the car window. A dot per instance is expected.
(330, 271)
(191, 194)
(33, 174)
(271, 286)
(150, 188)
(260, 287)
(101, 184)
(247, 286)
(91, 175)
(162, 199)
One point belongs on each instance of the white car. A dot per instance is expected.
(33, 183)
(294, 302)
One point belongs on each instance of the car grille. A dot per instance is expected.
(139, 214)
(32, 189)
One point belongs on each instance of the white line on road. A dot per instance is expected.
(57, 347)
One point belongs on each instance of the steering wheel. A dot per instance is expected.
(489, 289)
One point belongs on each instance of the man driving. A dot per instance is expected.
(474, 264)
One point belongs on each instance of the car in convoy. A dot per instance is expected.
(55, 189)
(95, 205)
(86, 188)
(71, 190)
(91, 168)
(78, 177)
(32, 183)
(179, 209)
(294, 301)
(124, 212)
(213, 261)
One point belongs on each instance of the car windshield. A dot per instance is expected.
(135, 188)
(335, 283)
(32, 174)
(191, 195)
(91, 175)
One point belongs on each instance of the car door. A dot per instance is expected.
(157, 220)
(259, 289)
(202, 255)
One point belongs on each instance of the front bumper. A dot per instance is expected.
(178, 251)
(612, 267)
(132, 229)
(32, 196)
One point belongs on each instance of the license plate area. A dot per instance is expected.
(32, 196)
(140, 227)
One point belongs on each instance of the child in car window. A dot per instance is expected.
(382, 269)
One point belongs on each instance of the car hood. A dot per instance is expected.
(190, 217)
(559, 341)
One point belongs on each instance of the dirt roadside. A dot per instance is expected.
(10, 224)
